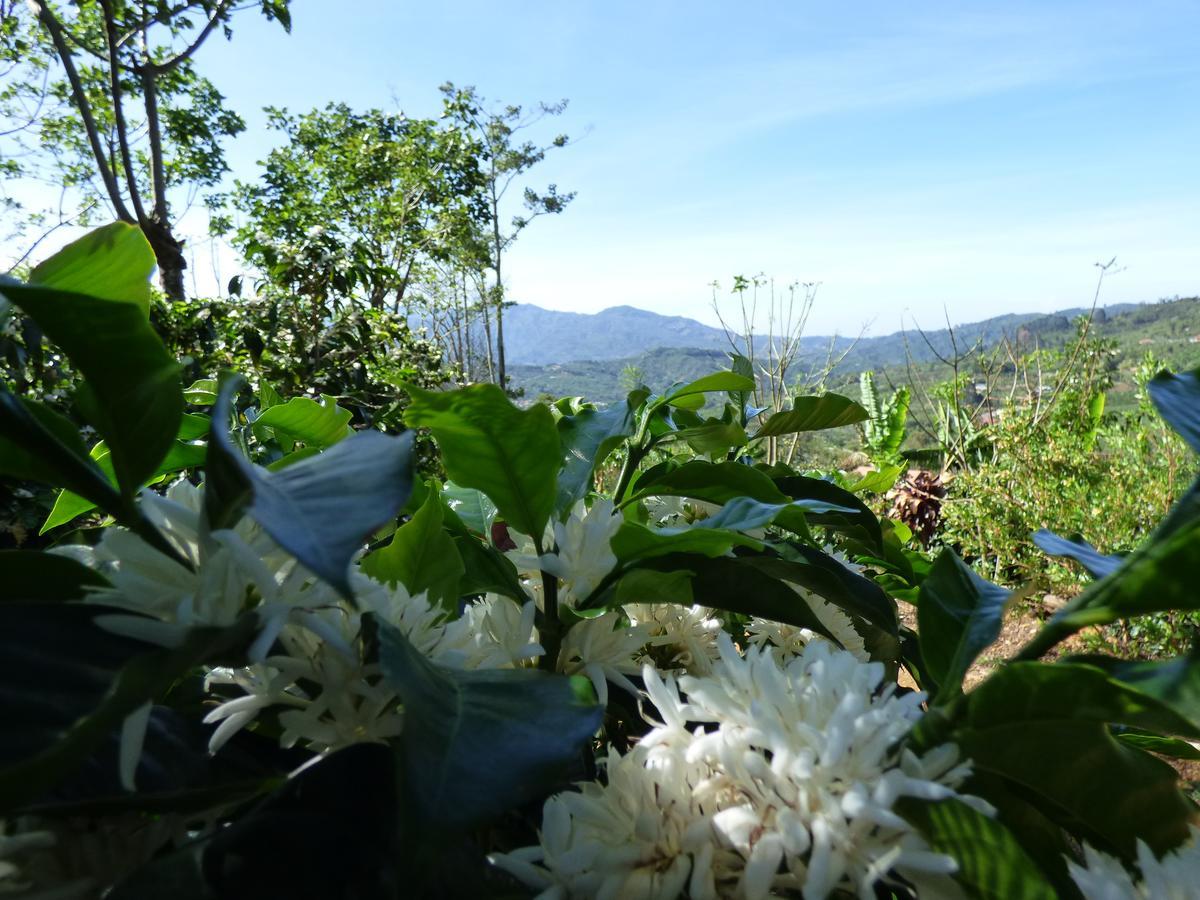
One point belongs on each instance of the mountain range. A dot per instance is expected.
(563, 353)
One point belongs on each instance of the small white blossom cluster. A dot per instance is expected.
(325, 693)
(1176, 876)
(762, 778)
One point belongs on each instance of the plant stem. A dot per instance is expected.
(550, 635)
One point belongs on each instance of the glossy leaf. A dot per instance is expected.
(69, 505)
(717, 381)
(487, 443)
(879, 481)
(303, 419)
(634, 542)
(723, 583)
(587, 439)
(95, 680)
(959, 615)
(845, 512)
(477, 743)
(322, 509)
(421, 556)
(828, 578)
(132, 392)
(34, 576)
(1177, 398)
(991, 864)
(113, 262)
(1045, 727)
(813, 414)
(1174, 682)
(38, 444)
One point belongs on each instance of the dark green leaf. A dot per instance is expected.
(66, 684)
(587, 438)
(853, 515)
(991, 864)
(1178, 400)
(421, 556)
(487, 443)
(332, 831)
(132, 392)
(829, 579)
(813, 414)
(33, 576)
(959, 615)
(1046, 727)
(1175, 682)
(38, 444)
(487, 570)
(477, 743)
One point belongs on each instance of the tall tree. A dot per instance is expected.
(507, 157)
(102, 98)
(356, 206)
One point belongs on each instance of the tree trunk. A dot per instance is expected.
(168, 251)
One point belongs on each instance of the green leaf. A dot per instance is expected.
(114, 262)
(723, 583)
(33, 576)
(844, 513)
(1178, 400)
(829, 579)
(991, 864)
(813, 414)
(711, 482)
(679, 395)
(1097, 564)
(512, 455)
(1176, 748)
(634, 542)
(66, 684)
(421, 556)
(714, 436)
(193, 427)
(202, 392)
(650, 586)
(880, 481)
(587, 439)
(959, 615)
(69, 505)
(322, 509)
(487, 570)
(132, 391)
(1045, 727)
(1174, 682)
(1147, 581)
(479, 743)
(472, 507)
(38, 444)
(315, 424)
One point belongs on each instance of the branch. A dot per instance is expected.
(114, 85)
(171, 64)
(55, 30)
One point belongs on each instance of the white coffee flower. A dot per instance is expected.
(604, 649)
(1175, 876)
(760, 778)
(681, 637)
(584, 554)
(790, 640)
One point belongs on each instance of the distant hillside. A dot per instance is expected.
(1166, 328)
(536, 336)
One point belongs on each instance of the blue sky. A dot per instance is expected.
(973, 157)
